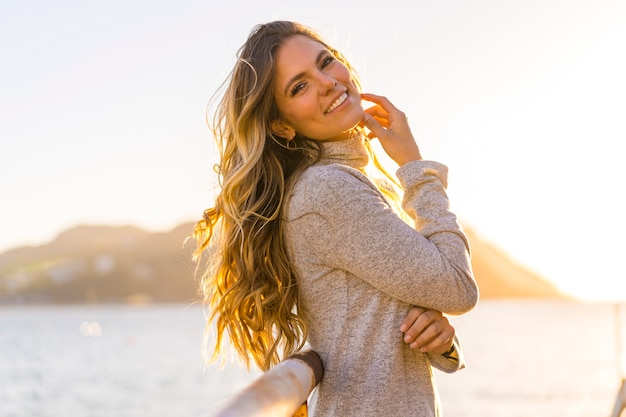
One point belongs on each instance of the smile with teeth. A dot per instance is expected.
(337, 102)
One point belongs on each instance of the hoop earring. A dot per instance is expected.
(290, 141)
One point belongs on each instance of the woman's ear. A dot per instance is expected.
(283, 130)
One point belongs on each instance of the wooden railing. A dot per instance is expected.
(280, 392)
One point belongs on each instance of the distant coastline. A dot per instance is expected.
(125, 264)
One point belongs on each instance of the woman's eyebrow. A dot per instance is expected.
(301, 74)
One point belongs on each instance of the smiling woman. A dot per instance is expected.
(315, 93)
(305, 247)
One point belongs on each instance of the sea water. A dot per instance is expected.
(525, 358)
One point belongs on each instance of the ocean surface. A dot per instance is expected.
(524, 359)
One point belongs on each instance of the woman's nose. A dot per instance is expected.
(326, 82)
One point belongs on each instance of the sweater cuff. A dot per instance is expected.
(416, 172)
(451, 361)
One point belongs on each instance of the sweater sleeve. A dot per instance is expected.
(352, 227)
(449, 363)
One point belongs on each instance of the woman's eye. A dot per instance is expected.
(297, 88)
(327, 60)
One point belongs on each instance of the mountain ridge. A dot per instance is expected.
(122, 264)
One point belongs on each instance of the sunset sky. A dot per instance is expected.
(102, 114)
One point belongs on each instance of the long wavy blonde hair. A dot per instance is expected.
(250, 283)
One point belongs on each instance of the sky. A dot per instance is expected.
(102, 114)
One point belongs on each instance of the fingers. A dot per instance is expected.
(426, 326)
(380, 100)
(376, 126)
(383, 108)
(410, 318)
(391, 127)
(427, 330)
(378, 111)
(440, 342)
(376, 119)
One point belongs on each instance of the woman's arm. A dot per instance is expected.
(349, 225)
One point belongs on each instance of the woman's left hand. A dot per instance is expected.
(391, 127)
(427, 330)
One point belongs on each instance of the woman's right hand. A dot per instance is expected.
(427, 330)
(391, 127)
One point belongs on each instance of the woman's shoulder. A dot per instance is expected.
(327, 177)
(323, 184)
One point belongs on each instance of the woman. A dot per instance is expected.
(304, 246)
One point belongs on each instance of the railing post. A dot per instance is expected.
(279, 392)
(620, 401)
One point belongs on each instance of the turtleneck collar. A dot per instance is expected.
(350, 152)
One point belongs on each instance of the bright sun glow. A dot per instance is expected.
(524, 101)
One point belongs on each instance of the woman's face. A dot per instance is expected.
(314, 92)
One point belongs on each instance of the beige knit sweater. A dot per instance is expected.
(361, 268)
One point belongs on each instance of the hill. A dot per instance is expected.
(106, 264)
(498, 276)
(99, 264)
